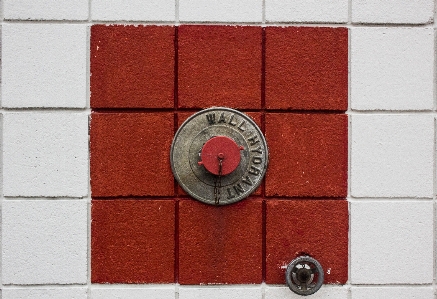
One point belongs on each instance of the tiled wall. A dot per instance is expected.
(93, 91)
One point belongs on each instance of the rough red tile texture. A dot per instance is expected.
(219, 66)
(308, 155)
(130, 154)
(132, 66)
(318, 228)
(306, 68)
(132, 241)
(220, 245)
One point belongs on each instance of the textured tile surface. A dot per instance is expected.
(219, 66)
(45, 154)
(308, 155)
(132, 66)
(130, 154)
(32, 75)
(44, 242)
(132, 241)
(306, 68)
(318, 228)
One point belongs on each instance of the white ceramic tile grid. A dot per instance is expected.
(396, 292)
(237, 11)
(392, 68)
(392, 155)
(325, 292)
(391, 242)
(44, 242)
(45, 293)
(389, 11)
(45, 154)
(310, 11)
(45, 9)
(133, 10)
(44, 65)
(225, 292)
(133, 292)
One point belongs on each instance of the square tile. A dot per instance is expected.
(220, 244)
(132, 66)
(32, 75)
(318, 228)
(44, 242)
(130, 154)
(45, 9)
(46, 293)
(308, 155)
(219, 66)
(392, 68)
(391, 235)
(132, 241)
(325, 292)
(306, 68)
(220, 292)
(397, 292)
(45, 154)
(137, 10)
(392, 155)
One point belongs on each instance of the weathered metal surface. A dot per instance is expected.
(304, 275)
(199, 182)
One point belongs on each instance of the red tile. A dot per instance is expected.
(130, 154)
(132, 66)
(318, 228)
(308, 155)
(219, 66)
(306, 68)
(132, 241)
(220, 245)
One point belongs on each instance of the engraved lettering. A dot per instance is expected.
(257, 160)
(230, 121)
(242, 126)
(222, 118)
(238, 189)
(253, 140)
(211, 118)
(257, 150)
(230, 195)
(247, 181)
(253, 170)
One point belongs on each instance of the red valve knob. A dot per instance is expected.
(220, 149)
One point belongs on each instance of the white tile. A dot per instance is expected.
(325, 292)
(45, 154)
(44, 242)
(327, 11)
(133, 10)
(392, 292)
(220, 11)
(46, 293)
(137, 292)
(44, 65)
(224, 292)
(392, 68)
(392, 155)
(391, 242)
(45, 9)
(392, 11)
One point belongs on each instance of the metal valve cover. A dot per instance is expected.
(195, 132)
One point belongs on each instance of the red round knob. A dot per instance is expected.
(220, 150)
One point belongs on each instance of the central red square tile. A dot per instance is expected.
(220, 244)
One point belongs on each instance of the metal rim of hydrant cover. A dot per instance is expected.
(304, 275)
(191, 142)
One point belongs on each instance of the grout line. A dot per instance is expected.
(177, 6)
(263, 11)
(434, 282)
(349, 152)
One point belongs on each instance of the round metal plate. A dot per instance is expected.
(195, 132)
